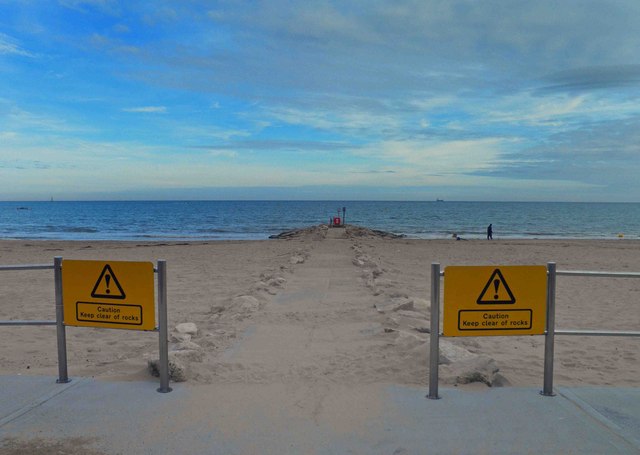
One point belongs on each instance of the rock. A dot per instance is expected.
(410, 319)
(186, 345)
(395, 304)
(370, 282)
(177, 370)
(357, 231)
(246, 303)
(296, 259)
(187, 355)
(451, 353)
(407, 341)
(261, 286)
(180, 337)
(187, 327)
(411, 314)
(500, 381)
(277, 282)
(421, 304)
(217, 308)
(478, 369)
(318, 232)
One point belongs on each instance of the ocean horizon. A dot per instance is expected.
(254, 220)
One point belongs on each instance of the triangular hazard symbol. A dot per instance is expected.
(107, 286)
(496, 291)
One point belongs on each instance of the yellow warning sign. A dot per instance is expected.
(494, 300)
(114, 294)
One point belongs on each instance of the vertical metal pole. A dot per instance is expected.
(547, 389)
(434, 348)
(63, 378)
(163, 366)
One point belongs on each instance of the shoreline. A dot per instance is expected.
(266, 236)
(274, 237)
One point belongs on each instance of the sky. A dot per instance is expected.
(321, 100)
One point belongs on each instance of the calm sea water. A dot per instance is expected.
(220, 220)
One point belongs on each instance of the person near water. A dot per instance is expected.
(490, 232)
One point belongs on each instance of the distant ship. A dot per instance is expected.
(439, 200)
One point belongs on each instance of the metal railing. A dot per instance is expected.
(63, 377)
(160, 270)
(550, 331)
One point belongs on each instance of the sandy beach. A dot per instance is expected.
(328, 307)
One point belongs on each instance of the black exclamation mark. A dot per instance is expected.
(108, 279)
(496, 284)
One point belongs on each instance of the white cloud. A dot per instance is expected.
(107, 6)
(451, 157)
(9, 45)
(7, 135)
(147, 109)
(342, 118)
(21, 120)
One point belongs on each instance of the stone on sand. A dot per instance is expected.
(395, 304)
(187, 327)
(476, 369)
(177, 370)
(246, 303)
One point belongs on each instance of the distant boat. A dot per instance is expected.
(439, 200)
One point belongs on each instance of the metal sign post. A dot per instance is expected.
(549, 340)
(434, 348)
(63, 378)
(163, 366)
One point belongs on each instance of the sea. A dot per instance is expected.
(254, 220)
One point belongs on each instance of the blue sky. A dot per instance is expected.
(388, 100)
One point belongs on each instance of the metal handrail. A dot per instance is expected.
(26, 267)
(598, 274)
(59, 323)
(603, 333)
(27, 322)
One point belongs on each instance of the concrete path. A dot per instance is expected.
(38, 416)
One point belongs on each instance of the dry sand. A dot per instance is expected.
(328, 307)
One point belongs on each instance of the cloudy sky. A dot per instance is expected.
(364, 99)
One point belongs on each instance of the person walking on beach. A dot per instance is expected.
(490, 232)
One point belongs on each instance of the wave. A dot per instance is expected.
(79, 230)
